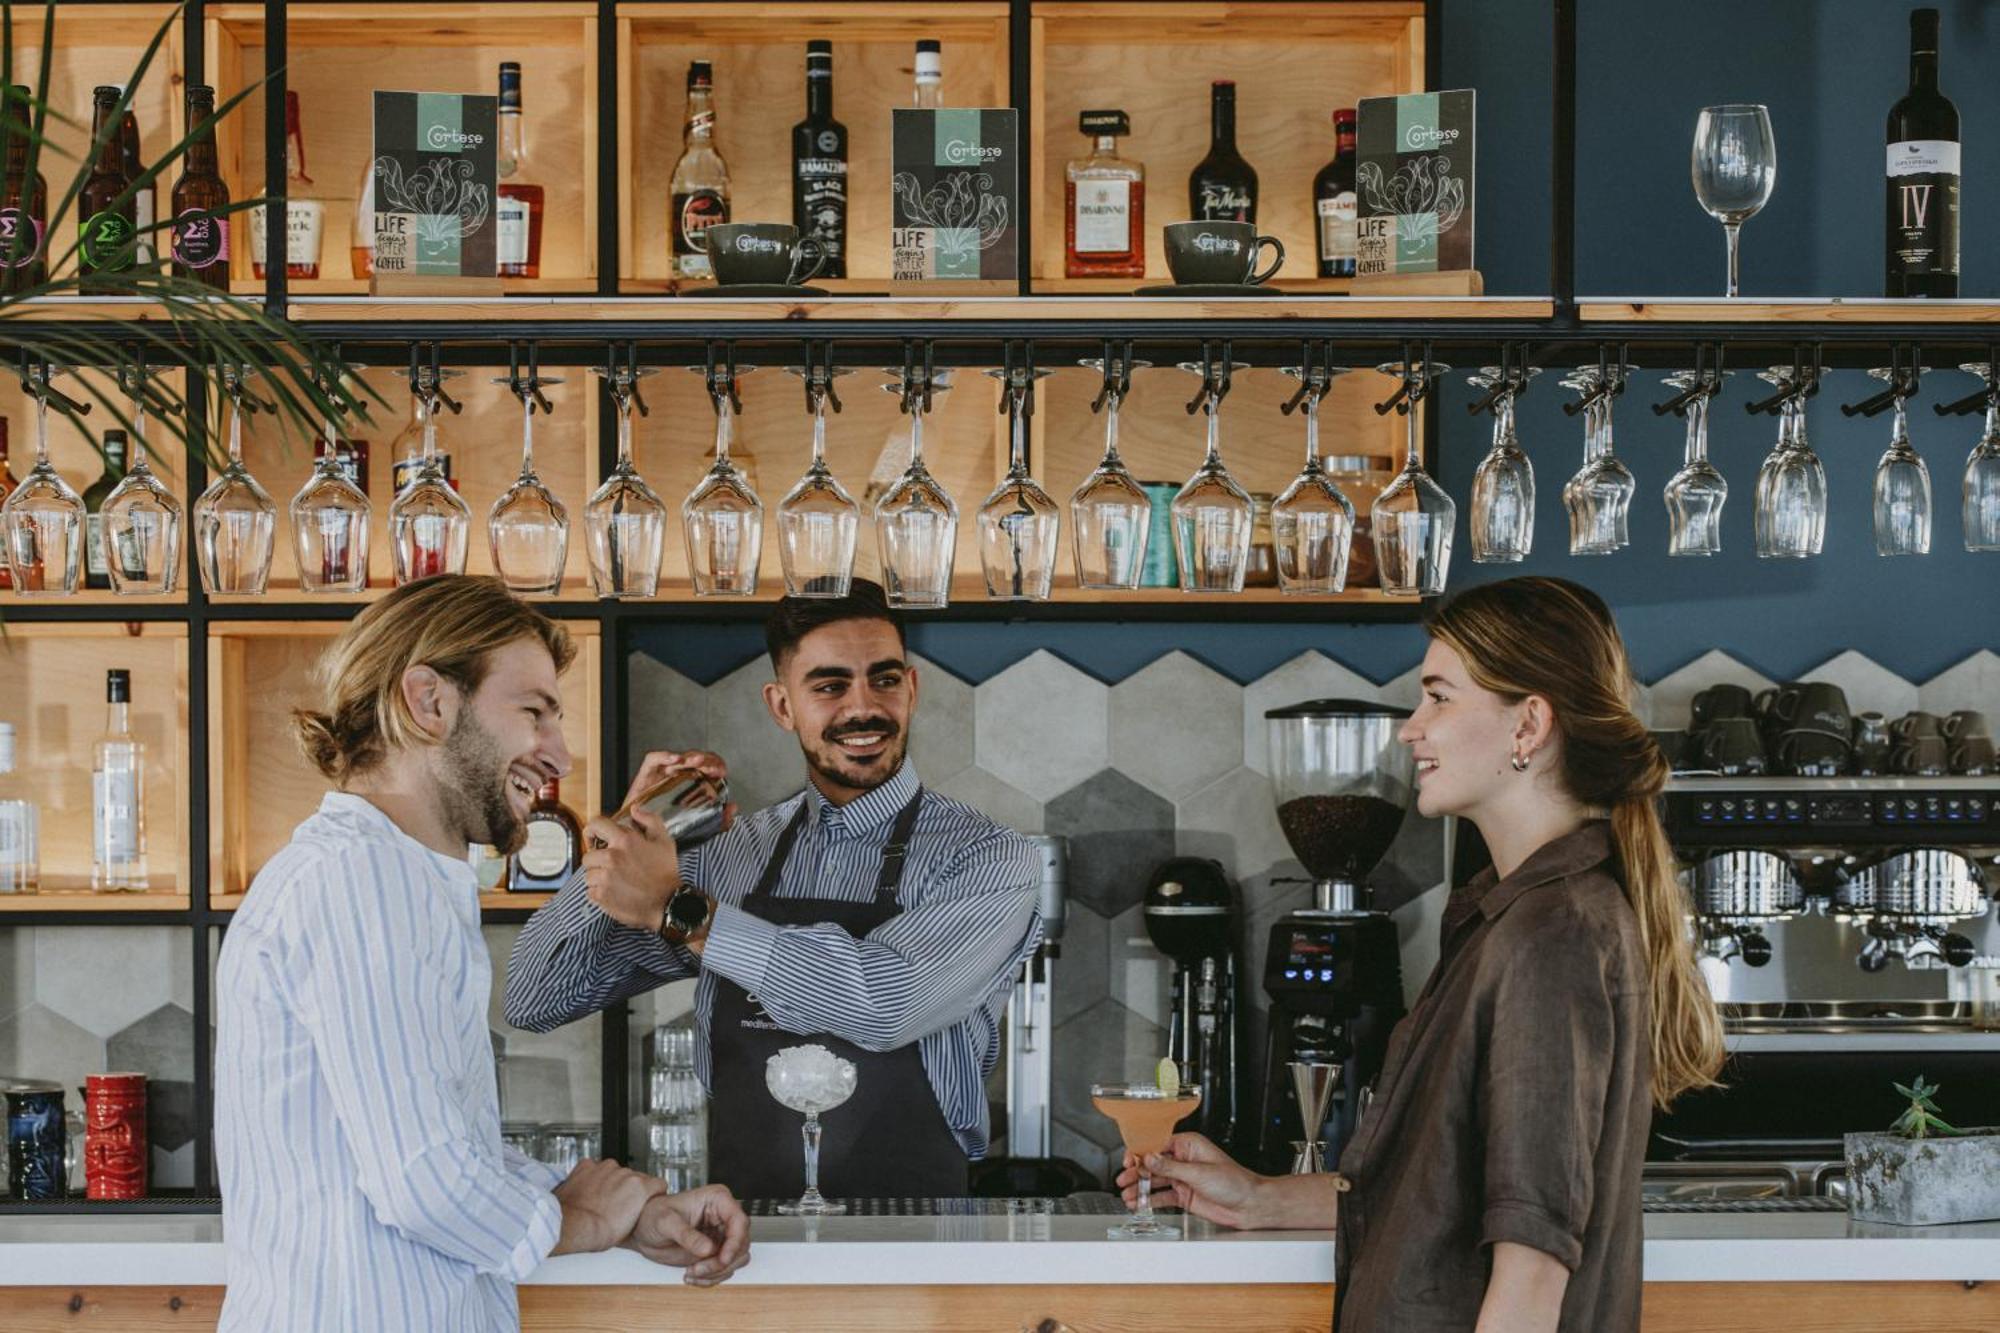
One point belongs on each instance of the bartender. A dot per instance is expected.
(881, 920)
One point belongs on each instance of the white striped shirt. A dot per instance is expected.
(938, 974)
(357, 1125)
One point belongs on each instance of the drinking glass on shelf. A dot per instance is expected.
(141, 523)
(527, 529)
(625, 520)
(1019, 525)
(1212, 515)
(1599, 496)
(722, 519)
(1503, 488)
(1791, 484)
(1734, 166)
(1902, 487)
(330, 518)
(44, 517)
(1312, 520)
(818, 521)
(916, 521)
(1981, 499)
(1413, 517)
(1145, 1115)
(429, 522)
(1109, 513)
(1696, 493)
(235, 521)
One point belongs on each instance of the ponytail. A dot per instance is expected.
(1687, 1032)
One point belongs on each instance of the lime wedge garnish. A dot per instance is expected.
(1168, 1075)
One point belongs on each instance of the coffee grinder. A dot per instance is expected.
(1190, 910)
(1333, 971)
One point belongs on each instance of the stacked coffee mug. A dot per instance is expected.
(1805, 729)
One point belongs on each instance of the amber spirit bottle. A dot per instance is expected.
(554, 846)
(108, 228)
(7, 484)
(819, 164)
(700, 188)
(201, 202)
(305, 218)
(1333, 202)
(24, 206)
(1104, 205)
(520, 207)
(1222, 187)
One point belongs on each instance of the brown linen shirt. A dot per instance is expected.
(1513, 1104)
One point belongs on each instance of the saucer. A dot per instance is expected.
(766, 290)
(1205, 289)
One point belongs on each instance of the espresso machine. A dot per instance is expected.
(1191, 917)
(1333, 971)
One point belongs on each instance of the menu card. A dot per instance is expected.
(1413, 183)
(436, 179)
(955, 182)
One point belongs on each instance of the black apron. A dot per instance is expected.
(890, 1139)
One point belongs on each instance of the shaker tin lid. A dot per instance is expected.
(1337, 708)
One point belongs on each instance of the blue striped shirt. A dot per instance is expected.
(357, 1125)
(938, 974)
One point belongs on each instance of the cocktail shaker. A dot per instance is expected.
(691, 804)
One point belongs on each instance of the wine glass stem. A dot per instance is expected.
(1730, 232)
(1144, 1213)
(916, 438)
(1698, 431)
(1017, 449)
(1412, 459)
(624, 402)
(42, 427)
(1214, 460)
(235, 428)
(1312, 432)
(1111, 431)
(527, 436)
(723, 429)
(810, 1132)
(819, 434)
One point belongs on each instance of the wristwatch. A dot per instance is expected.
(687, 915)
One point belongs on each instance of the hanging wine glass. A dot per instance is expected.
(235, 521)
(1503, 489)
(1312, 520)
(141, 521)
(44, 516)
(330, 518)
(1019, 525)
(1902, 486)
(1696, 494)
(1791, 484)
(1599, 496)
(916, 521)
(1413, 517)
(1109, 513)
(722, 518)
(1981, 497)
(1211, 514)
(818, 521)
(429, 522)
(625, 520)
(527, 529)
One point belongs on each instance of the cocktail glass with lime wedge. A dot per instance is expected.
(1146, 1114)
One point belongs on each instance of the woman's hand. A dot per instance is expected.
(1195, 1175)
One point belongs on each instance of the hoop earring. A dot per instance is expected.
(1520, 763)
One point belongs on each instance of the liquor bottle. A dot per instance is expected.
(117, 790)
(305, 219)
(554, 846)
(1921, 243)
(1222, 187)
(7, 484)
(700, 188)
(1333, 201)
(96, 573)
(1104, 205)
(819, 164)
(201, 201)
(107, 228)
(134, 162)
(20, 824)
(24, 206)
(930, 75)
(361, 229)
(519, 253)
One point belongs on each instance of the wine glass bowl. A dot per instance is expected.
(1695, 494)
(235, 520)
(1110, 514)
(1312, 520)
(1413, 517)
(916, 520)
(527, 529)
(1980, 495)
(722, 519)
(44, 518)
(1599, 496)
(625, 521)
(1019, 525)
(1734, 166)
(1212, 515)
(142, 529)
(429, 522)
(1503, 488)
(1791, 483)
(818, 521)
(1902, 491)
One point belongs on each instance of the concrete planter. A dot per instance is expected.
(1924, 1182)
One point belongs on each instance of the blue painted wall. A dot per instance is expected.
(1829, 70)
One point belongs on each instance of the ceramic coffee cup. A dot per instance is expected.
(1219, 252)
(1733, 746)
(1972, 756)
(1917, 726)
(763, 254)
(1922, 756)
(1964, 724)
(1812, 754)
(1719, 701)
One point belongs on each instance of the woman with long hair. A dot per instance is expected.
(1492, 1182)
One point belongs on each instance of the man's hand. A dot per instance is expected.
(601, 1202)
(631, 872)
(704, 1231)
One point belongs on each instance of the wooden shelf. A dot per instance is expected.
(1812, 310)
(1279, 307)
(64, 896)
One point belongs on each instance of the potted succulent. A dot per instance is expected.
(1924, 1171)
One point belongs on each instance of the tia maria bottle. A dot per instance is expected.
(1333, 202)
(1921, 242)
(1222, 187)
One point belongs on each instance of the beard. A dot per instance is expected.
(828, 760)
(473, 787)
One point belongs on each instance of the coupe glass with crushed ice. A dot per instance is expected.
(810, 1079)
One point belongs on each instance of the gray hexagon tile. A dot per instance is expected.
(1673, 694)
(1081, 976)
(1141, 976)
(765, 765)
(992, 798)
(1868, 686)
(1176, 725)
(1118, 831)
(1404, 691)
(1043, 725)
(180, 965)
(1107, 1043)
(17, 970)
(666, 710)
(39, 1043)
(161, 1046)
(1234, 820)
(72, 964)
(1095, 1158)
(1973, 683)
(1413, 864)
(1310, 675)
(941, 733)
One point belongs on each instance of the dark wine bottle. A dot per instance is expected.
(201, 202)
(1333, 201)
(24, 205)
(97, 574)
(108, 228)
(819, 164)
(1222, 186)
(1921, 243)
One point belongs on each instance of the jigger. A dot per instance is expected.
(1313, 1083)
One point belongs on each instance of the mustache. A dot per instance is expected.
(888, 729)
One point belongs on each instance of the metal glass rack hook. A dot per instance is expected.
(1609, 385)
(1020, 380)
(626, 388)
(1315, 375)
(37, 385)
(818, 377)
(1707, 383)
(1979, 398)
(1117, 374)
(720, 375)
(433, 393)
(1902, 383)
(1417, 380)
(1215, 377)
(1513, 381)
(917, 379)
(1803, 382)
(528, 388)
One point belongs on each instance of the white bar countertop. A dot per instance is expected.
(1029, 1249)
